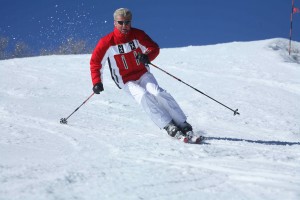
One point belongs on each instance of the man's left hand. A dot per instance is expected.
(143, 58)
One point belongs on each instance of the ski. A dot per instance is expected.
(197, 140)
(182, 138)
(192, 140)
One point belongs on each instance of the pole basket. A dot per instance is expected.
(63, 121)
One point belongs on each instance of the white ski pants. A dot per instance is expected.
(156, 102)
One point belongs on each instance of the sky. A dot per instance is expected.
(48, 23)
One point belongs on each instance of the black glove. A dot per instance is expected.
(143, 58)
(98, 88)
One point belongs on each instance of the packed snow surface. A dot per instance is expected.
(110, 149)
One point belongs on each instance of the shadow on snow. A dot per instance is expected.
(251, 141)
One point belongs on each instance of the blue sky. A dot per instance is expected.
(47, 23)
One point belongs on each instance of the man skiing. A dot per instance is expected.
(128, 52)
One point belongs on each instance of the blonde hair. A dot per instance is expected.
(123, 12)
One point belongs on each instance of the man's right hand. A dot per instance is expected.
(98, 87)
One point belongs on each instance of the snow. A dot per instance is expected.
(111, 150)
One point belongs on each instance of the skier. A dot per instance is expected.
(129, 51)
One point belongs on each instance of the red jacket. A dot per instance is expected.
(120, 51)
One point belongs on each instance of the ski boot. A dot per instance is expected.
(175, 132)
(187, 129)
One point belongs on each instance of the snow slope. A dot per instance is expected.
(111, 150)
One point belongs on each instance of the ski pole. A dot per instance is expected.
(64, 120)
(235, 112)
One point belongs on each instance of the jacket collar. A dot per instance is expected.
(122, 37)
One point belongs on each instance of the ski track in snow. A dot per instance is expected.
(111, 150)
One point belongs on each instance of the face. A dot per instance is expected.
(123, 24)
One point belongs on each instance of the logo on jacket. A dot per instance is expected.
(132, 46)
(121, 48)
